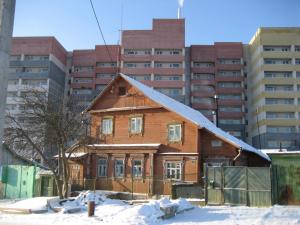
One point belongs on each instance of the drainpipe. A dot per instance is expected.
(238, 155)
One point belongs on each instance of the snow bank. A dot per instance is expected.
(38, 203)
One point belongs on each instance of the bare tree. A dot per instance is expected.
(47, 128)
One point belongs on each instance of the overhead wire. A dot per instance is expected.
(102, 35)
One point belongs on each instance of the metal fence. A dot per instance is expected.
(235, 185)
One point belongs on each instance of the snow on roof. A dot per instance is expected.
(278, 151)
(126, 145)
(192, 115)
(73, 155)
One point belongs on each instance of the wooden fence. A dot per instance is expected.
(236, 185)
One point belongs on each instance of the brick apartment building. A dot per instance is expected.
(193, 75)
(148, 140)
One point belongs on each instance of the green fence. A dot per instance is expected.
(233, 185)
(286, 179)
(18, 181)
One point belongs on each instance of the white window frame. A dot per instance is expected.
(102, 167)
(216, 143)
(172, 137)
(137, 170)
(107, 126)
(173, 170)
(119, 167)
(136, 128)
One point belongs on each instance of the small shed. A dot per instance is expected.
(285, 176)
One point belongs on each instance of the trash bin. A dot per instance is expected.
(91, 208)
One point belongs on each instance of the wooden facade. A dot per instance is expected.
(145, 147)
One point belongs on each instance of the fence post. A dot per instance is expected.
(206, 183)
(247, 187)
(222, 185)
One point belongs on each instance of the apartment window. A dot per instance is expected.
(280, 115)
(298, 74)
(105, 75)
(206, 112)
(203, 88)
(216, 143)
(230, 121)
(15, 57)
(168, 51)
(173, 170)
(230, 96)
(279, 101)
(297, 61)
(174, 132)
(102, 167)
(203, 64)
(83, 68)
(202, 100)
(36, 57)
(133, 52)
(229, 73)
(229, 61)
(297, 48)
(203, 76)
(106, 64)
(167, 77)
(277, 48)
(229, 84)
(275, 74)
(83, 80)
(170, 91)
(136, 124)
(137, 168)
(230, 109)
(82, 91)
(141, 77)
(281, 129)
(107, 126)
(277, 61)
(271, 88)
(119, 168)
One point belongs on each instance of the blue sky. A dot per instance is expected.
(72, 21)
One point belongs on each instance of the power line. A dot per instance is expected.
(107, 49)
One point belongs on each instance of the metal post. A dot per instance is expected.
(7, 11)
(217, 109)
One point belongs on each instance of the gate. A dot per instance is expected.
(235, 185)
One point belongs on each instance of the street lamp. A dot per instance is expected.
(217, 109)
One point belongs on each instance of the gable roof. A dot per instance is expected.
(188, 113)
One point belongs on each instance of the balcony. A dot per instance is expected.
(89, 74)
(210, 70)
(82, 85)
(229, 78)
(204, 82)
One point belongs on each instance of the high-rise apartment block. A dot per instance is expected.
(249, 90)
(274, 85)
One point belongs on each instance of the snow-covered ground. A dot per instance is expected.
(112, 212)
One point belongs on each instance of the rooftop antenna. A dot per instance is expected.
(180, 6)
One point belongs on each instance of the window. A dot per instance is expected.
(122, 91)
(280, 115)
(297, 61)
(279, 101)
(106, 64)
(229, 84)
(102, 167)
(107, 126)
(137, 168)
(119, 168)
(173, 170)
(203, 76)
(271, 88)
(174, 132)
(277, 74)
(216, 143)
(230, 109)
(136, 124)
(281, 129)
(230, 121)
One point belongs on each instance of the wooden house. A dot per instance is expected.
(146, 141)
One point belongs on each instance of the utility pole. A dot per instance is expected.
(7, 12)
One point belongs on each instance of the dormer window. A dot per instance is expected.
(122, 91)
